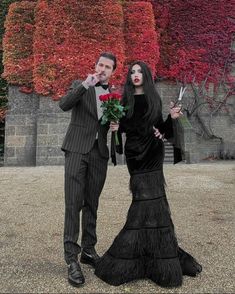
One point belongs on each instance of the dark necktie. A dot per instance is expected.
(105, 87)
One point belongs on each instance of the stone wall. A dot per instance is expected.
(52, 124)
(35, 128)
(196, 143)
(21, 129)
(34, 131)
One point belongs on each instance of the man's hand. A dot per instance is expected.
(175, 111)
(114, 126)
(92, 79)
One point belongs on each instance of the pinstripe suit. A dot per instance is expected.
(85, 168)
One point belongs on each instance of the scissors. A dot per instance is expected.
(182, 90)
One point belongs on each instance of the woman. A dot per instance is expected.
(147, 246)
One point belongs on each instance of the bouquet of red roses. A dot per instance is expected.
(112, 109)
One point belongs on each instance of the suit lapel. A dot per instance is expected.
(93, 104)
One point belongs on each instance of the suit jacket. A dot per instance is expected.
(84, 124)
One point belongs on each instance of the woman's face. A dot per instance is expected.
(136, 75)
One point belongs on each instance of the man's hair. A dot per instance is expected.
(110, 56)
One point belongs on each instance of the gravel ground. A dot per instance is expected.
(201, 198)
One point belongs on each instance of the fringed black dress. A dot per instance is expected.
(147, 246)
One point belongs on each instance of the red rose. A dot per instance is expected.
(104, 97)
(116, 96)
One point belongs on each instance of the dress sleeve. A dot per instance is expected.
(119, 146)
(116, 147)
(122, 125)
(169, 129)
(121, 130)
(165, 127)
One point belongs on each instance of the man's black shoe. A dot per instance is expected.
(75, 275)
(89, 256)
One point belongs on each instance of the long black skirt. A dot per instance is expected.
(147, 246)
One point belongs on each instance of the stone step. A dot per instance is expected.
(169, 155)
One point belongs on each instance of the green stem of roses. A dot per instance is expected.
(116, 138)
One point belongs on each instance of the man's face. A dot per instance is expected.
(104, 67)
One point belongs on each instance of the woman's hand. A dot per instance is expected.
(114, 126)
(157, 134)
(175, 110)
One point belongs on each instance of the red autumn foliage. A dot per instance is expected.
(44, 71)
(195, 37)
(140, 36)
(67, 47)
(2, 114)
(17, 44)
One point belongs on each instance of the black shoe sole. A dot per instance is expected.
(75, 284)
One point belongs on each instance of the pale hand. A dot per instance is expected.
(175, 111)
(114, 126)
(92, 79)
(157, 134)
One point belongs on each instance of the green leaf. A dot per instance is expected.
(104, 120)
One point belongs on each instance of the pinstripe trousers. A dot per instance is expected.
(84, 180)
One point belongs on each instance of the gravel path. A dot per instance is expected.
(201, 198)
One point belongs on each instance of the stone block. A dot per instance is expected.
(15, 141)
(189, 136)
(26, 152)
(44, 140)
(10, 161)
(47, 105)
(21, 103)
(49, 151)
(24, 157)
(57, 128)
(30, 141)
(14, 120)
(61, 139)
(10, 131)
(31, 119)
(42, 129)
(53, 118)
(9, 151)
(25, 130)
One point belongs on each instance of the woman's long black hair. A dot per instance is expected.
(154, 110)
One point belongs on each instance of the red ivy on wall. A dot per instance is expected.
(2, 114)
(195, 37)
(67, 47)
(44, 71)
(17, 44)
(140, 36)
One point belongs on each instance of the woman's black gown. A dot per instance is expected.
(146, 247)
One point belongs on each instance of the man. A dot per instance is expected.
(86, 158)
